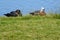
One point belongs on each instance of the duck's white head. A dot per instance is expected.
(42, 8)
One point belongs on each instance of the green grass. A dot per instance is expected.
(29, 28)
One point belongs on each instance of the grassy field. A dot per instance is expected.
(29, 28)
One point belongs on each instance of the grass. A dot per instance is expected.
(29, 28)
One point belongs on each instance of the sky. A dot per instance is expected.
(27, 6)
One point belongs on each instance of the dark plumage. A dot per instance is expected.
(32, 13)
(35, 12)
(14, 13)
